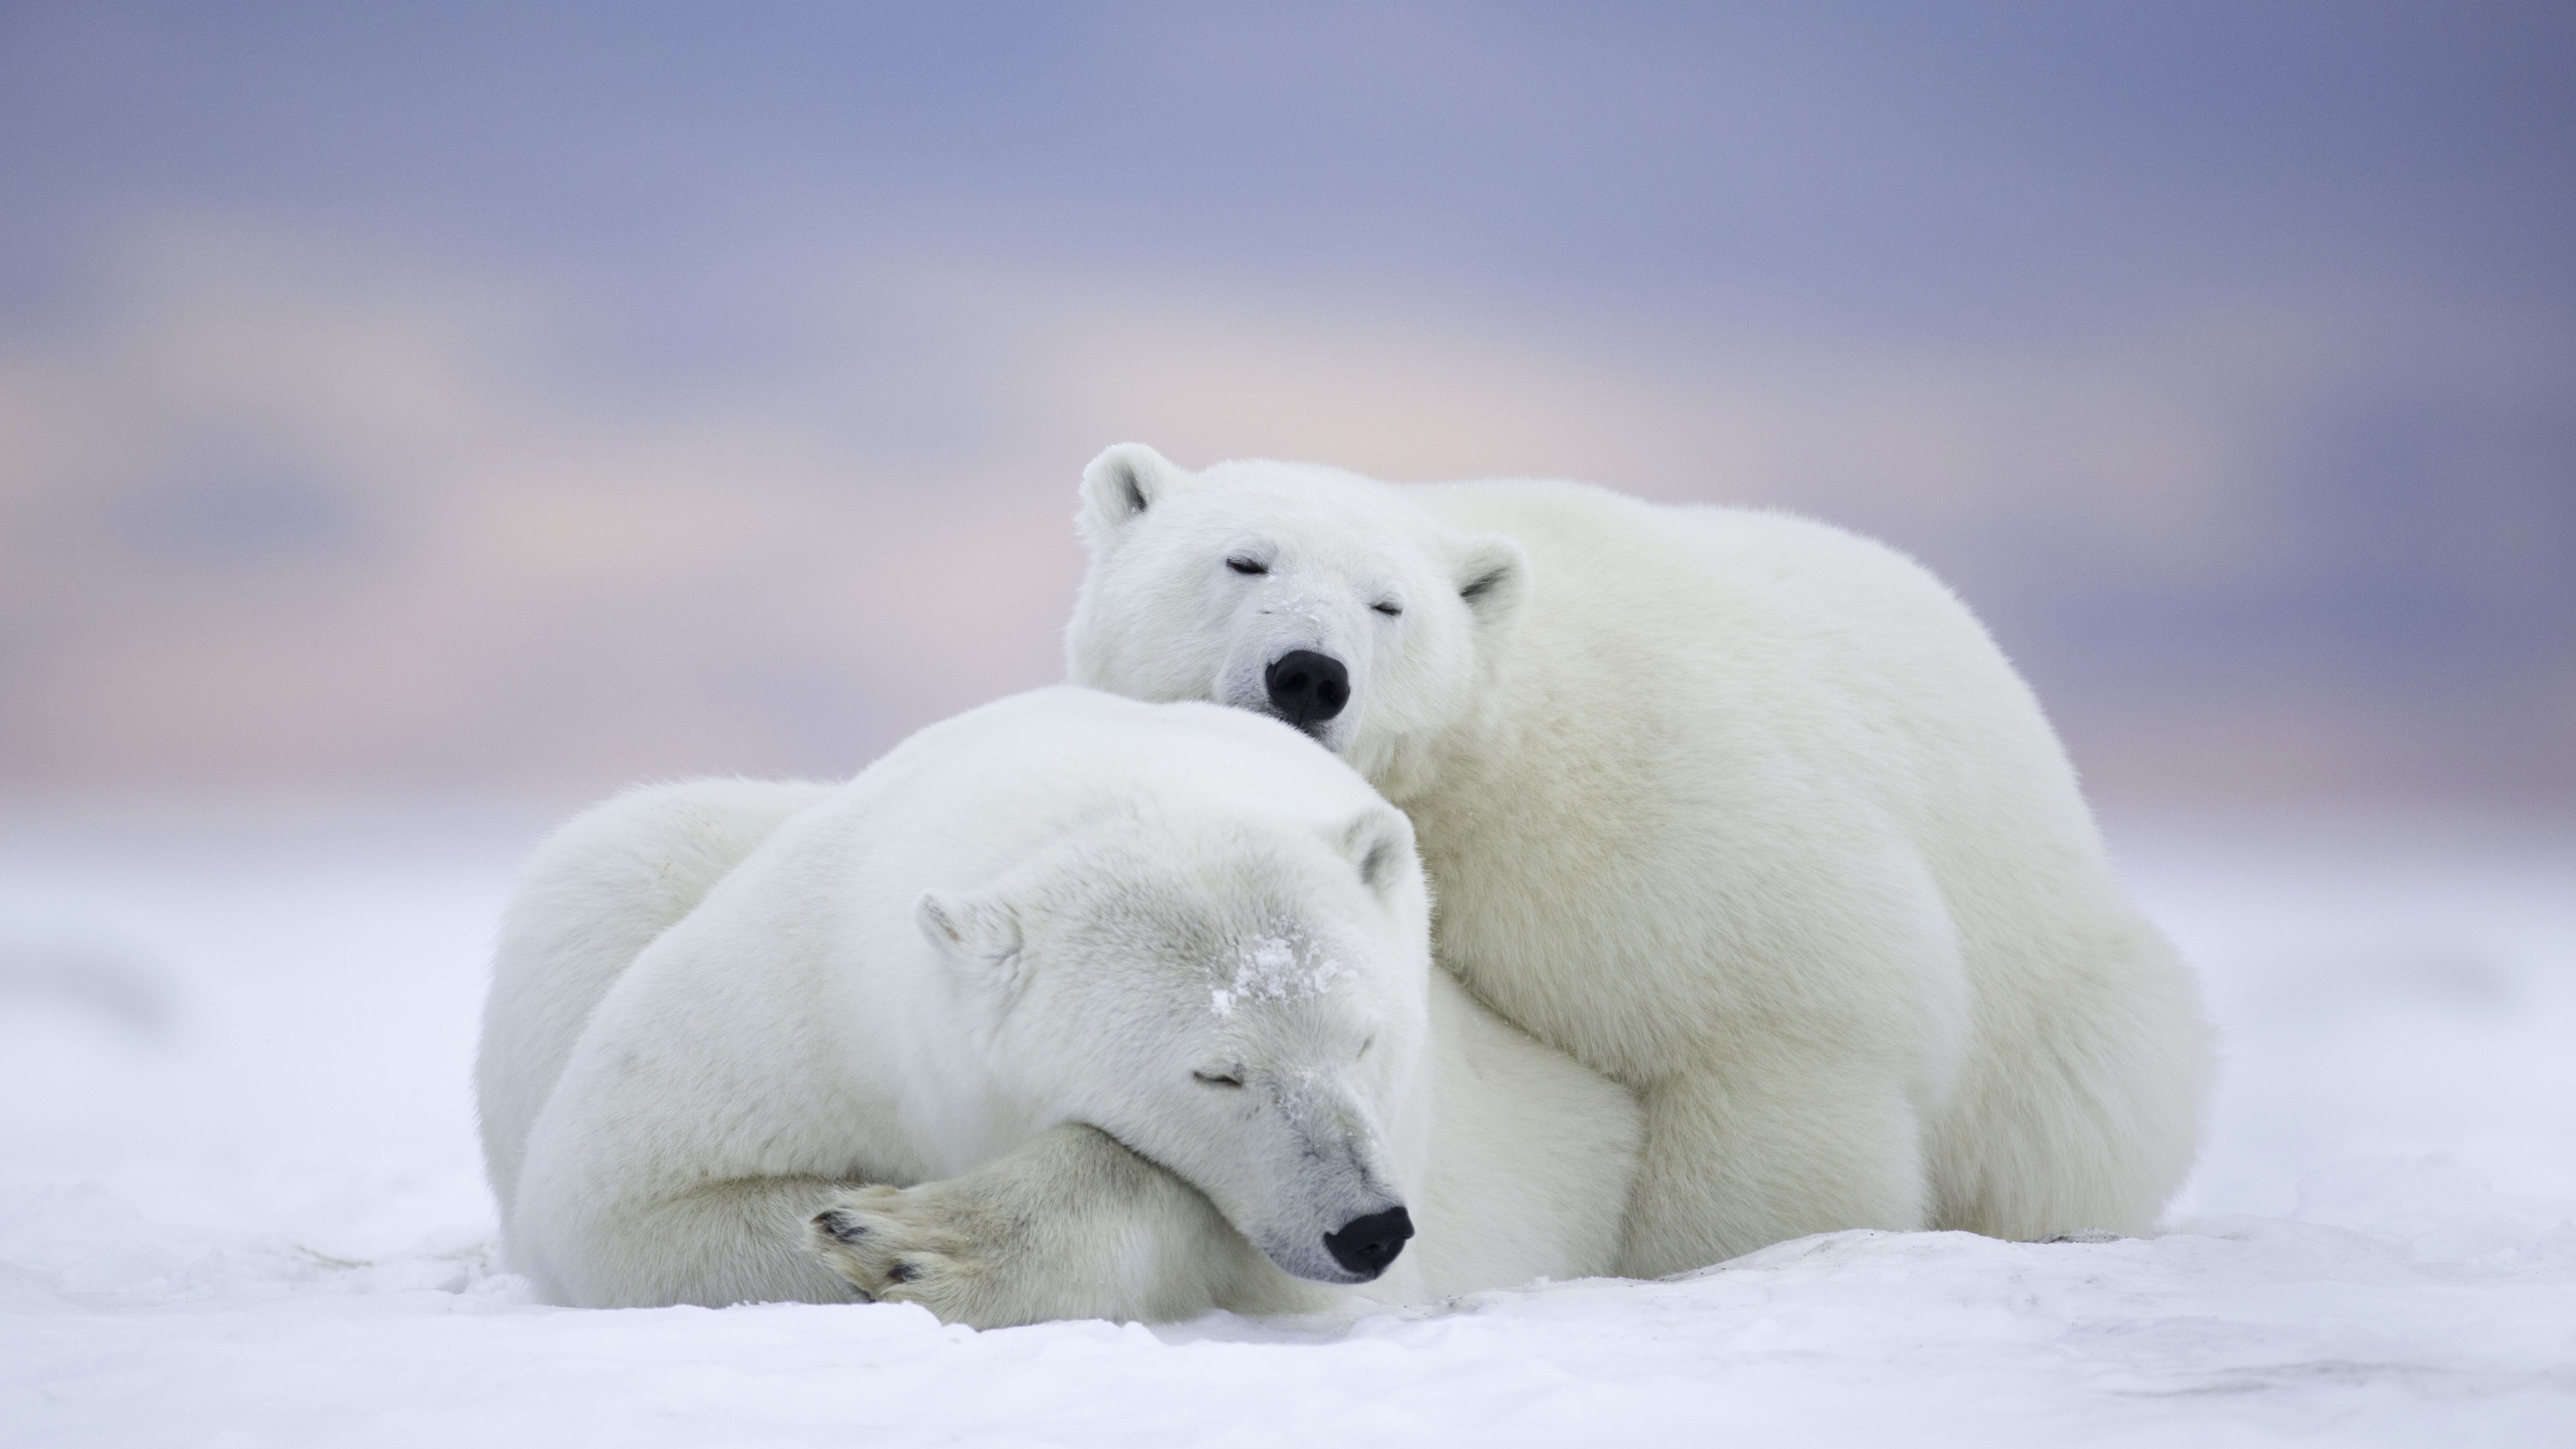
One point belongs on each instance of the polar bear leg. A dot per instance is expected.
(726, 1242)
(1071, 1225)
(2088, 1116)
(1738, 1160)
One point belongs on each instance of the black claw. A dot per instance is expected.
(902, 1272)
(841, 1225)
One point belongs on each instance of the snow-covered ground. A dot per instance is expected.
(239, 1202)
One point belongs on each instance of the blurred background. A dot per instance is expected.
(530, 399)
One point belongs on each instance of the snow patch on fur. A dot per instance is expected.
(1275, 968)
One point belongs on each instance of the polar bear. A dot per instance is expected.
(1738, 809)
(1068, 1007)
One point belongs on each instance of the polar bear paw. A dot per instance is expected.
(930, 1245)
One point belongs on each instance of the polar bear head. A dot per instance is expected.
(1240, 1000)
(1316, 596)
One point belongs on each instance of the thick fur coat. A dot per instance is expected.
(1071, 1006)
(1738, 809)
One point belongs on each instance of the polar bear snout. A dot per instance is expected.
(1307, 688)
(1308, 1183)
(1365, 1245)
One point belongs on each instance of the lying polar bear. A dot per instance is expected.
(1068, 1007)
(1740, 810)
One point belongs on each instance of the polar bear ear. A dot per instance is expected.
(1378, 842)
(974, 931)
(1493, 577)
(1117, 489)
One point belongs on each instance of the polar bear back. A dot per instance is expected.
(1726, 629)
(1804, 748)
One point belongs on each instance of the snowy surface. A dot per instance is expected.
(240, 1204)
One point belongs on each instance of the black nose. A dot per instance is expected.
(1307, 688)
(1366, 1245)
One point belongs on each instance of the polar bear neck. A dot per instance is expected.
(1408, 768)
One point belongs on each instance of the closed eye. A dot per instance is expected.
(1389, 609)
(1247, 565)
(1217, 1079)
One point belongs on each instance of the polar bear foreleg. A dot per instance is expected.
(1071, 1225)
(1739, 1160)
(713, 1244)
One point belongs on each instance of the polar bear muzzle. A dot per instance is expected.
(1307, 689)
(1365, 1245)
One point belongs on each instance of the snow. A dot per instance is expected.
(240, 1203)
(1269, 970)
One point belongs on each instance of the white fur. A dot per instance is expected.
(972, 1015)
(1740, 810)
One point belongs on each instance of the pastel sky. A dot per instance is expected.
(556, 396)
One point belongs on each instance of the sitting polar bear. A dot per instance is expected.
(930, 1013)
(1742, 811)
